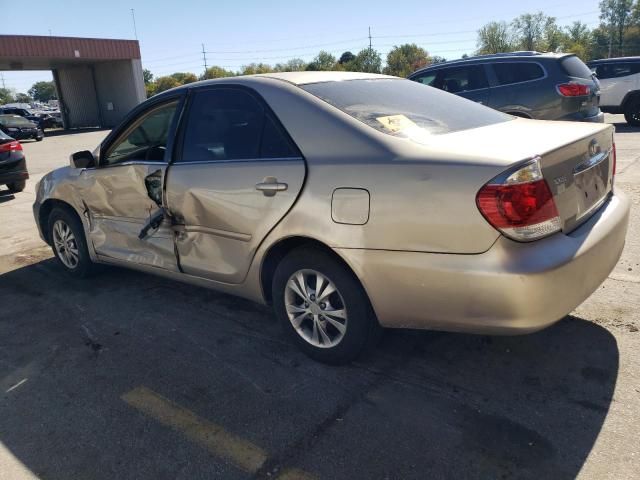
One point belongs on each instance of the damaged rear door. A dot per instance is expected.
(235, 176)
(124, 192)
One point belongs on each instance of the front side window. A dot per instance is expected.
(404, 108)
(146, 138)
(517, 72)
(231, 124)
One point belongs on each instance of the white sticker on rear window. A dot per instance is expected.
(396, 123)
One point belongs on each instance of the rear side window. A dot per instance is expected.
(517, 72)
(231, 124)
(460, 79)
(404, 108)
(574, 67)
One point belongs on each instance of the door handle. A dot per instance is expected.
(270, 186)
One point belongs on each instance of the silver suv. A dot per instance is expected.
(544, 86)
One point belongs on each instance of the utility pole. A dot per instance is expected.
(369, 38)
(133, 17)
(2, 77)
(204, 58)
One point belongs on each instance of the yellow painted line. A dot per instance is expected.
(245, 455)
(295, 474)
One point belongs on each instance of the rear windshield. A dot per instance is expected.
(404, 108)
(576, 67)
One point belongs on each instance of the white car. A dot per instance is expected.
(619, 86)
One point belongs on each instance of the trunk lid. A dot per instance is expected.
(580, 176)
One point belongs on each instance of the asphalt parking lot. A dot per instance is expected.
(129, 376)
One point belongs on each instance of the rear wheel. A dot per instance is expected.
(323, 307)
(68, 243)
(16, 187)
(632, 112)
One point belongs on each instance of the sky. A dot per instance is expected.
(172, 33)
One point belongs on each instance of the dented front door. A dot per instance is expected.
(124, 191)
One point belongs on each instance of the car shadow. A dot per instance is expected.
(6, 196)
(422, 405)
(623, 127)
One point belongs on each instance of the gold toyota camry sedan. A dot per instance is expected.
(349, 202)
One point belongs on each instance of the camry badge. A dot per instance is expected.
(594, 148)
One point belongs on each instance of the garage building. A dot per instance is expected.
(98, 80)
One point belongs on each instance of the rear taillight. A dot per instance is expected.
(573, 90)
(520, 204)
(12, 146)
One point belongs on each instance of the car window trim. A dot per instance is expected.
(178, 146)
(544, 76)
(134, 116)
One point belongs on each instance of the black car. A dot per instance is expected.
(13, 166)
(546, 86)
(20, 128)
(22, 112)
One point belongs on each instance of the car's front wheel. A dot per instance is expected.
(323, 306)
(68, 242)
(632, 113)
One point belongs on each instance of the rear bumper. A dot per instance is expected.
(579, 117)
(15, 176)
(510, 289)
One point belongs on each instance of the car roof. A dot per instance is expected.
(295, 78)
(614, 60)
(304, 78)
(524, 55)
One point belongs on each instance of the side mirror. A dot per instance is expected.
(83, 159)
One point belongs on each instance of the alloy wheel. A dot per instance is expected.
(65, 244)
(315, 308)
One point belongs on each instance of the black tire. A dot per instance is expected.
(362, 328)
(16, 187)
(84, 266)
(632, 112)
(39, 139)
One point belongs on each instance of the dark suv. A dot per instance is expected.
(546, 86)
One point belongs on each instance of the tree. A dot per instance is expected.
(579, 40)
(438, 59)
(184, 78)
(553, 36)
(367, 60)
(406, 59)
(23, 98)
(494, 37)
(43, 91)
(254, 68)
(346, 57)
(6, 96)
(529, 30)
(616, 14)
(323, 61)
(164, 83)
(293, 65)
(147, 76)
(216, 72)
